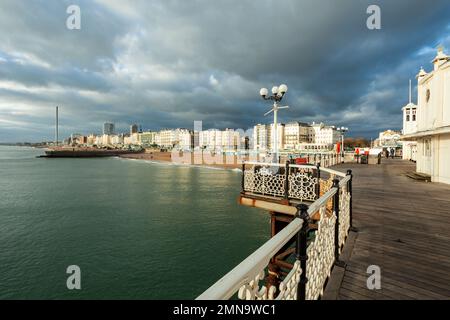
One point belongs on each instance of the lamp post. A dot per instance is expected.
(277, 95)
(343, 130)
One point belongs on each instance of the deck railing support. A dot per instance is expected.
(350, 190)
(286, 181)
(336, 210)
(318, 181)
(301, 249)
(243, 178)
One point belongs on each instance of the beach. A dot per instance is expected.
(196, 159)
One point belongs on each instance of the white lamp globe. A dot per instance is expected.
(282, 89)
(263, 92)
(275, 90)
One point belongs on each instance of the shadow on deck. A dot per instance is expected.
(404, 228)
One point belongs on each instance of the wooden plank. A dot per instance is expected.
(404, 228)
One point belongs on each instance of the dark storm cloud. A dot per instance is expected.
(168, 63)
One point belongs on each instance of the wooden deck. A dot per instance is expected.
(404, 228)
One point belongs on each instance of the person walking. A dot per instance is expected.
(392, 153)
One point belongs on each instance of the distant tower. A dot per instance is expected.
(108, 128)
(134, 128)
(56, 127)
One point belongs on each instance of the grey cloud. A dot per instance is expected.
(151, 61)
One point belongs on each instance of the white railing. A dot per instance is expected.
(303, 181)
(248, 273)
(247, 280)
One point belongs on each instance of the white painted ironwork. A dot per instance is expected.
(287, 288)
(246, 279)
(320, 255)
(248, 270)
(264, 182)
(344, 215)
(302, 185)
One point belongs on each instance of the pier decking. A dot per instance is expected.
(404, 228)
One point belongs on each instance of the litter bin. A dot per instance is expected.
(364, 159)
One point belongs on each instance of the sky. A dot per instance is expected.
(165, 64)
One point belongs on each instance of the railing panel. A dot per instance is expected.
(320, 255)
(264, 182)
(344, 216)
(303, 184)
(317, 259)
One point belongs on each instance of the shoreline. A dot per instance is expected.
(166, 157)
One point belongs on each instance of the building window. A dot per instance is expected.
(414, 115)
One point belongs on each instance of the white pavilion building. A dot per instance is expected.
(433, 120)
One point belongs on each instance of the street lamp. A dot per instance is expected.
(277, 95)
(343, 130)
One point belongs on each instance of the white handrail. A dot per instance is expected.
(344, 181)
(313, 208)
(303, 166)
(247, 270)
(335, 172)
(264, 164)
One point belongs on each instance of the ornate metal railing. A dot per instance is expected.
(289, 181)
(317, 235)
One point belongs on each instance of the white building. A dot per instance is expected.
(389, 139)
(409, 127)
(175, 138)
(184, 139)
(264, 137)
(326, 135)
(147, 138)
(296, 134)
(210, 139)
(433, 120)
(219, 140)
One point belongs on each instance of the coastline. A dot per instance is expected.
(166, 157)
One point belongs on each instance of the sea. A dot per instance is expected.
(134, 229)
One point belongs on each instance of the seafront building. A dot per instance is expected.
(433, 120)
(134, 128)
(297, 133)
(219, 140)
(296, 136)
(388, 139)
(264, 134)
(108, 128)
(326, 135)
(409, 127)
(147, 138)
(293, 136)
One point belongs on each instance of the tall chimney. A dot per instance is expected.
(56, 128)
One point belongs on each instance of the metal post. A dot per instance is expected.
(301, 252)
(336, 227)
(275, 129)
(350, 190)
(286, 181)
(318, 181)
(243, 177)
(57, 127)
